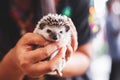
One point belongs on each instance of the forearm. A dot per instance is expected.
(79, 61)
(77, 65)
(9, 70)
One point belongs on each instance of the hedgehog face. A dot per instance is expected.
(53, 33)
(53, 27)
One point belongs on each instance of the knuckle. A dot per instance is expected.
(27, 34)
(46, 53)
(23, 65)
(31, 74)
(52, 67)
(28, 71)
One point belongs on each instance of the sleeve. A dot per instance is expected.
(80, 16)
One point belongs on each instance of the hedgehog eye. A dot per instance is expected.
(49, 31)
(61, 31)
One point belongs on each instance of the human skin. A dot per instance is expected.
(24, 59)
(79, 62)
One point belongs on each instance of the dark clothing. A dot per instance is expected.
(113, 38)
(10, 31)
(115, 71)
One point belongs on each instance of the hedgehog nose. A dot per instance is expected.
(55, 37)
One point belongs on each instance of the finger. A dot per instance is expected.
(38, 69)
(61, 53)
(43, 67)
(69, 52)
(32, 38)
(54, 63)
(42, 53)
(74, 42)
(71, 24)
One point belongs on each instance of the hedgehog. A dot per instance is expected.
(54, 27)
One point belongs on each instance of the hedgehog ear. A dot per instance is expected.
(41, 25)
(67, 28)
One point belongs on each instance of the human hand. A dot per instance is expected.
(29, 58)
(74, 42)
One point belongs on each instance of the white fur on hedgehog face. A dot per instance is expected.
(52, 33)
(54, 27)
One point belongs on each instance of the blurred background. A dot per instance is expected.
(104, 21)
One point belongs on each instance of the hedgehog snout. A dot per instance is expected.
(54, 37)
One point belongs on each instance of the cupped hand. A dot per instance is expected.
(31, 50)
(74, 42)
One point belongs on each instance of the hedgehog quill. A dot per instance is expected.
(54, 27)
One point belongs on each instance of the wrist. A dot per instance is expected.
(9, 69)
